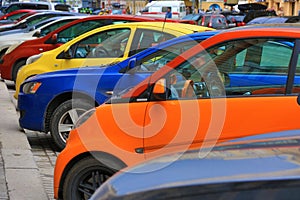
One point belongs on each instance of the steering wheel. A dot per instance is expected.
(100, 52)
(215, 84)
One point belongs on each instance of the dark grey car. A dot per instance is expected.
(258, 167)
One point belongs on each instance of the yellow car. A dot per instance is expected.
(108, 44)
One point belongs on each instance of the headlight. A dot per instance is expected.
(84, 117)
(33, 58)
(12, 47)
(31, 87)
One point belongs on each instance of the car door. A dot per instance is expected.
(111, 45)
(220, 107)
(100, 48)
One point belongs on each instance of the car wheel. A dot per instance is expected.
(84, 178)
(64, 118)
(16, 68)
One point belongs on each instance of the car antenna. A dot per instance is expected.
(163, 27)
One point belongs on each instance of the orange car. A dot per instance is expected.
(237, 83)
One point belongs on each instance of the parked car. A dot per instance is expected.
(22, 17)
(17, 55)
(256, 167)
(36, 25)
(212, 20)
(33, 19)
(274, 19)
(195, 17)
(41, 29)
(14, 16)
(109, 44)
(37, 5)
(253, 10)
(234, 19)
(54, 102)
(231, 85)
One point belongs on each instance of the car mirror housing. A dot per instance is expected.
(37, 34)
(131, 65)
(160, 86)
(54, 38)
(68, 54)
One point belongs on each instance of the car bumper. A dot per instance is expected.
(32, 112)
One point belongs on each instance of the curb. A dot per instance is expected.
(21, 173)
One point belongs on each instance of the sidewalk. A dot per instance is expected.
(19, 175)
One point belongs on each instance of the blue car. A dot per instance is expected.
(52, 102)
(258, 167)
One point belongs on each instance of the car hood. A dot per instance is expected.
(75, 72)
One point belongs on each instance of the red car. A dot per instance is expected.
(17, 55)
(16, 16)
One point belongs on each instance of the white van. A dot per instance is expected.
(159, 9)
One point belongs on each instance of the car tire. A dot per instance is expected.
(84, 178)
(16, 68)
(61, 121)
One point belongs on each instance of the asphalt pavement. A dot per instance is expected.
(26, 168)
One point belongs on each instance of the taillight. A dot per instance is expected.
(241, 24)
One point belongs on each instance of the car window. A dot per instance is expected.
(157, 60)
(242, 67)
(62, 7)
(40, 7)
(54, 26)
(32, 6)
(255, 66)
(145, 38)
(16, 16)
(106, 44)
(38, 18)
(218, 21)
(79, 28)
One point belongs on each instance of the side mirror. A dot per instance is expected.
(159, 90)
(131, 65)
(68, 54)
(37, 34)
(54, 38)
(160, 86)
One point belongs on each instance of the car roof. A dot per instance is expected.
(275, 153)
(269, 27)
(268, 19)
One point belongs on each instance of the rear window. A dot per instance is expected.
(62, 7)
(18, 6)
